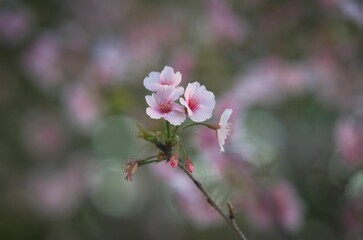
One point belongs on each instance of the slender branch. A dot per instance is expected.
(230, 220)
(233, 220)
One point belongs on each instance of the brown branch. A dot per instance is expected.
(230, 220)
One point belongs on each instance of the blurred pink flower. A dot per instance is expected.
(58, 194)
(108, 63)
(82, 104)
(162, 105)
(278, 207)
(353, 216)
(44, 136)
(225, 23)
(349, 138)
(42, 61)
(156, 81)
(198, 101)
(15, 24)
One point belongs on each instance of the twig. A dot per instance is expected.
(230, 220)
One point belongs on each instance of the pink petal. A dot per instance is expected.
(153, 113)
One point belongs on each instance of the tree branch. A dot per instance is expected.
(230, 220)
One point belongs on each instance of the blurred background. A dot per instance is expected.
(71, 94)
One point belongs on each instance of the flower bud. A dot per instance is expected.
(174, 159)
(189, 165)
(130, 168)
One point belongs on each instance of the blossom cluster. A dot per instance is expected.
(198, 103)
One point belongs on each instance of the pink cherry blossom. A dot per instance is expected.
(156, 81)
(162, 105)
(224, 128)
(198, 101)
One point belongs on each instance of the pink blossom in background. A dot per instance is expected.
(349, 139)
(15, 24)
(198, 101)
(162, 105)
(58, 194)
(184, 62)
(82, 105)
(225, 23)
(278, 206)
(270, 80)
(352, 217)
(42, 61)
(146, 41)
(108, 63)
(44, 136)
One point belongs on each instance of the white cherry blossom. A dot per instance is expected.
(198, 101)
(162, 105)
(156, 81)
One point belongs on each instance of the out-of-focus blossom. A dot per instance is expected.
(44, 136)
(82, 104)
(349, 138)
(353, 217)
(42, 61)
(198, 101)
(15, 24)
(156, 81)
(108, 63)
(58, 194)
(225, 23)
(270, 80)
(184, 61)
(162, 105)
(277, 207)
(130, 168)
(224, 128)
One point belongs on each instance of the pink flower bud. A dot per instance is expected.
(189, 165)
(174, 159)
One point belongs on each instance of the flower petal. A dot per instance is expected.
(151, 82)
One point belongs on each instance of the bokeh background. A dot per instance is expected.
(71, 94)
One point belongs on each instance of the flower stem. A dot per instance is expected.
(230, 220)
(195, 124)
(167, 130)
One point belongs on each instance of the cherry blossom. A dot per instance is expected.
(198, 101)
(156, 81)
(224, 128)
(162, 105)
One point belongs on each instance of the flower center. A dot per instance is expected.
(193, 103)
(166, 82)
(165, 107)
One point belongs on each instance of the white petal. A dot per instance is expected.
(225, 116)
(174, 117)
(167, 74)
(151, 82)
(191, 89)
(178, 92)
(165, 93)
(151, 101)
(201, 114)
(153, 113)
(177, 78)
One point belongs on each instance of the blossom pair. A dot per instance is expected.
(198, 103)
